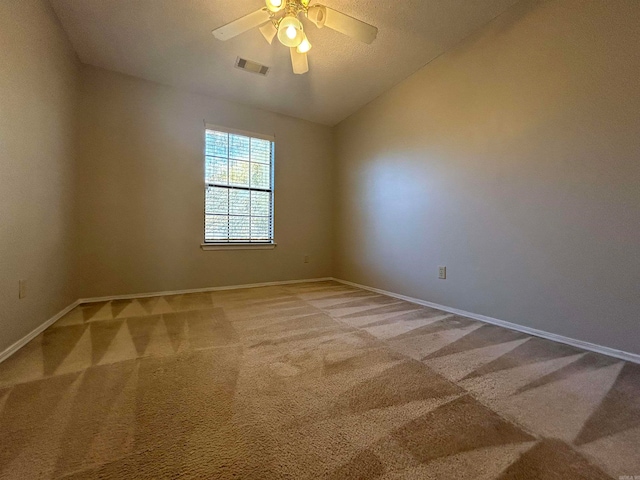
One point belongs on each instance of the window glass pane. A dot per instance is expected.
(217, 200)
(261, 203)
(260, 150)
(239, 202)
(243, 212)
(216, 144)
(239, 147)
(260, 176)
(238, 173)
(216, 227)
(260, 228)
(216, 170)
(239, 228)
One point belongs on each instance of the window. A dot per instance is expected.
(238, 188)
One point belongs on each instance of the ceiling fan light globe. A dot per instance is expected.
(268, 31)
(304, 46)
(318, 15)
(275, 5)
(290, 31)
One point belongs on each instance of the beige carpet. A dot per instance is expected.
(309, 381)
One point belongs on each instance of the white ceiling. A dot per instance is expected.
(170, 42)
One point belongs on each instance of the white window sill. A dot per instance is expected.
(238, 246)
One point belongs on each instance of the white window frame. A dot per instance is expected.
(237, 245)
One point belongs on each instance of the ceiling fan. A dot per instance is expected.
(280, 18)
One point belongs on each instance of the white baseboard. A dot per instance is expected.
(35, 332)
(41, 328)
(622, 355)
(592, 347)
(199, 290)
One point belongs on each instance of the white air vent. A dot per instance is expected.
(252, 67)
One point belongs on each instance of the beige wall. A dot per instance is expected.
(141, 191)
(38, 87)
(514, 160)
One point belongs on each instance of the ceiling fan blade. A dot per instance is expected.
(269, 31)
(241, 25)
(350, 26)
(299, 62)
(324, 16)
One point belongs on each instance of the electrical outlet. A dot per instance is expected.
(442, 273)
(22, 288)
(306, 259)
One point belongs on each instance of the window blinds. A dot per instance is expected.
(239, 188)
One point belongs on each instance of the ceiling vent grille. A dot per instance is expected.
(253, 67)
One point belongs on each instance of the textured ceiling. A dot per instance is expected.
(170, 42)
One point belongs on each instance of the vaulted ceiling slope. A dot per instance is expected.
(170, 42)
